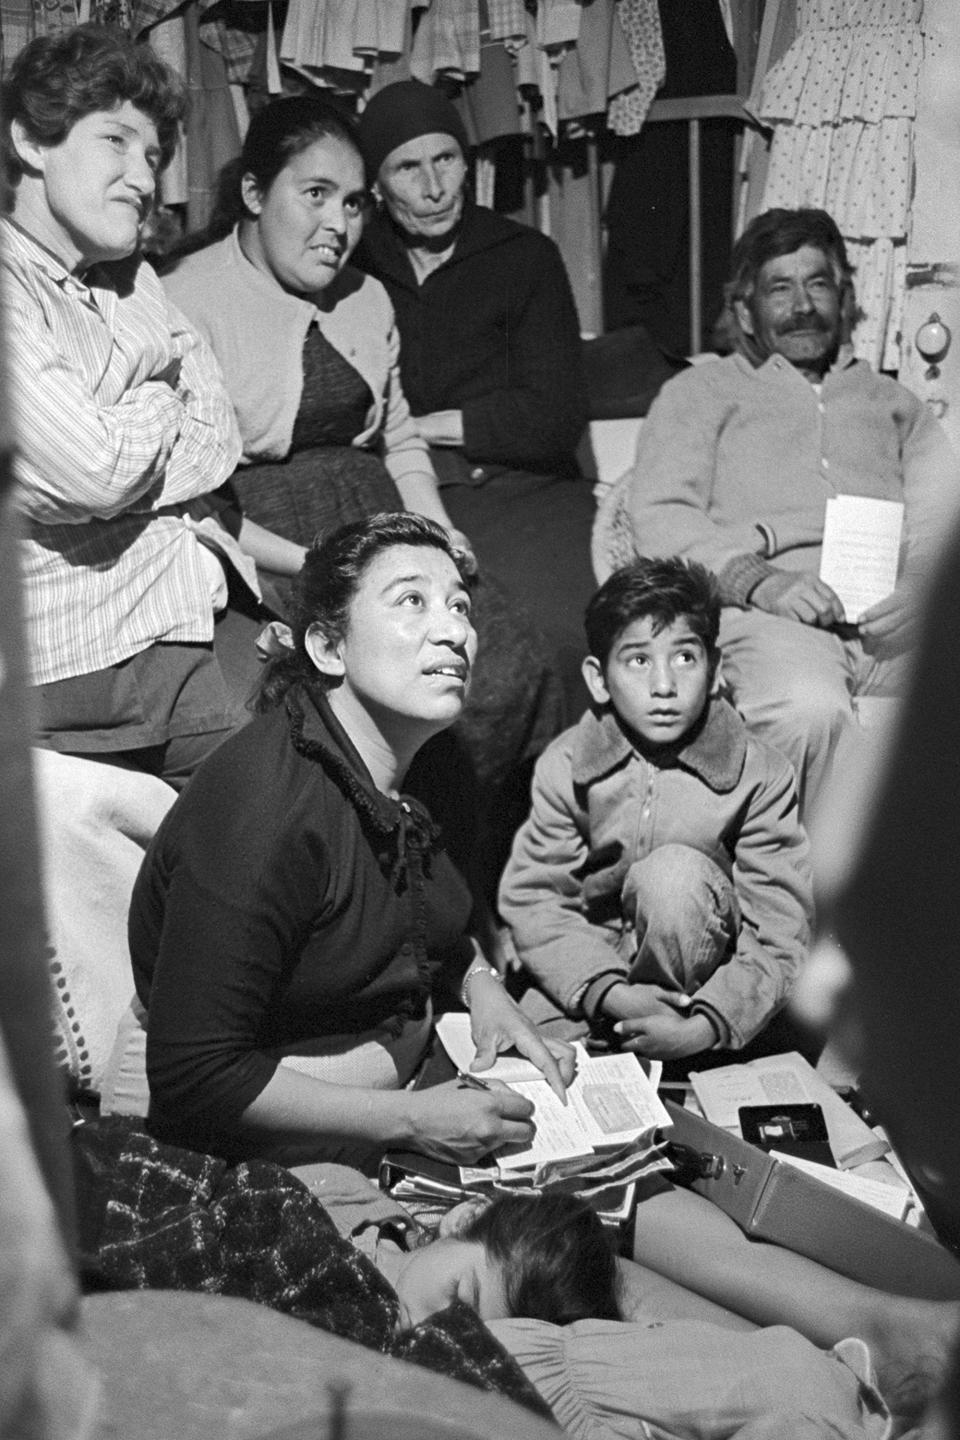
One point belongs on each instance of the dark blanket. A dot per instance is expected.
(152, 1216)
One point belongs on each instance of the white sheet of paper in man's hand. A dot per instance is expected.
(861, 550)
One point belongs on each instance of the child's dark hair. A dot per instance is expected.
(328, 581)
(665, 590)
(558, 1261)
(57, 80)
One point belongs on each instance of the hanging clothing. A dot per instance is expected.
(842, 102)
(235, 36)
(640, 22)
(23, 20)
(146, 13)
(447, 41)
(507, 21)
(646, 272)
(111, 12)
(212, 136)
(599, 67)
(18, 26)
(168, 39)
(558, 23)
(318, 34)
(489, 106)
(387, 68)
(338, 44)
(58, 16)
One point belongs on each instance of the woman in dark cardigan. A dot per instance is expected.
(297, 919)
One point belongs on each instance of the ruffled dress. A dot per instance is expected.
(626, 1380)
(842, 102)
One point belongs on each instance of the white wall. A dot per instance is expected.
(933, 272)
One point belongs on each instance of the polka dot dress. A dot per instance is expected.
(842, 102)
(641, 26)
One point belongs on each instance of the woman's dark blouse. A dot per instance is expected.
(283, 898)
(335, 400)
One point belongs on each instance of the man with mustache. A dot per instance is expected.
(734, 467)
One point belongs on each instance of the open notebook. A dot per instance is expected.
(612, 1107)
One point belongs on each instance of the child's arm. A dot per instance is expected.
(771, 873)
(541, 890)
(269, 550)
(660, 1023)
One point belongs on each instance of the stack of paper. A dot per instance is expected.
(891, 1199)
(786, 1080)
(419, 1178)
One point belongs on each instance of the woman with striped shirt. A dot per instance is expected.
(121, 419)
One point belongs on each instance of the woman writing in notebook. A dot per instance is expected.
(297, 918)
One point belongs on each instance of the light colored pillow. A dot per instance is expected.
(612, 542)
(96, 820)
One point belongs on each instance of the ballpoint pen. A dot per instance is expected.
(472, 1082)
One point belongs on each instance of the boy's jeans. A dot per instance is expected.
(685, 917)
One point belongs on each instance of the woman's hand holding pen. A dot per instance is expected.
(466, 1119)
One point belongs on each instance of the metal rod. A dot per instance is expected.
(696, 227)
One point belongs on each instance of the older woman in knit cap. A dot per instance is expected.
(489, 360)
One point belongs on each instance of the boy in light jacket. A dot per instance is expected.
(661, 886)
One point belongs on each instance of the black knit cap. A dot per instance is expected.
(405, 111)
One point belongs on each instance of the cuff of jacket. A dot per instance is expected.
(740, 577)
(700, 1007)
(591, 1001)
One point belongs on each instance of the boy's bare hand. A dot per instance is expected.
(633, 1002)
(666, 1037)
